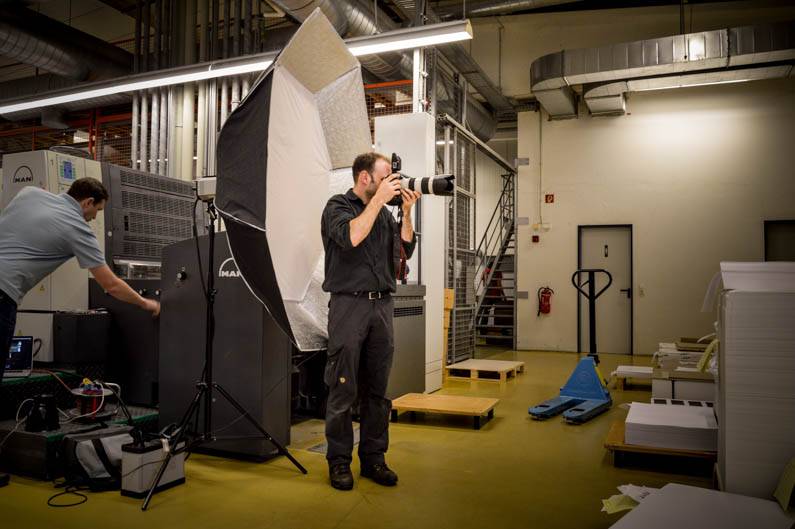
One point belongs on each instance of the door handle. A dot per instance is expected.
(628, 291)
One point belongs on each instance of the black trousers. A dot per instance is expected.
(360, 351)
(8, 320)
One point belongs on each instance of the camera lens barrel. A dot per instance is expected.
(443, 185)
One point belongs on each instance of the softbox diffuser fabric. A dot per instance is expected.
(281, 154)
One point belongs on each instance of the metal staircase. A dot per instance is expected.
(495, 273)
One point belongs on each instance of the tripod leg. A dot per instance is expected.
(282, 450)
(181, 427)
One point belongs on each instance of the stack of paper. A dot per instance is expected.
(668, 357)
(756, 390)
(679, 427)
(633, 372)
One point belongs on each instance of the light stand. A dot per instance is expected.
(205, 387)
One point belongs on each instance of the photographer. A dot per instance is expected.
(362, 242)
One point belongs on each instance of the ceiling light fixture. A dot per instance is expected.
(410, 38)
(400, 39)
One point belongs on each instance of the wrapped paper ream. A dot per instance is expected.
(768, 276)
(677, 427)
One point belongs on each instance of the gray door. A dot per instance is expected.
(609, 248)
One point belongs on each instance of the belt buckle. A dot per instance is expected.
(373, 295)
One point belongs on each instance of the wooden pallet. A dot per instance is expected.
(500, 370)
(476, 407)
(614, 442)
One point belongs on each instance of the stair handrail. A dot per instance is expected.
(488, 246)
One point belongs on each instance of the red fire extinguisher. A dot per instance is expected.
(544, 300)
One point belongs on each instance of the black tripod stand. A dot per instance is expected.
(183, 441)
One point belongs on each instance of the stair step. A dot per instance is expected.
(494, 337)
(492, 297)
(494, 326)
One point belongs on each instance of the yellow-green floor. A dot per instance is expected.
(514, 472)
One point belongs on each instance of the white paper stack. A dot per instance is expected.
(664, 426)
(756, 389)
(668, 357)
(633, 372)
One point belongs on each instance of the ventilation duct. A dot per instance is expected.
(40, 41)
(607, 73)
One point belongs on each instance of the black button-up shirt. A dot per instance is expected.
(370, 266)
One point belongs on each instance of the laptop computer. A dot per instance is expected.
(20, 357)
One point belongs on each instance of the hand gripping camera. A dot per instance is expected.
(442, 185)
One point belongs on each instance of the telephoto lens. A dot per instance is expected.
(442, 185)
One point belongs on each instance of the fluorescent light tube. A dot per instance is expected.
(133, 86)
(400, 39)
(411, 38)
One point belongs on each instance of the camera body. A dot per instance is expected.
(442, 185)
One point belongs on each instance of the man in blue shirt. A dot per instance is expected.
(39, 231)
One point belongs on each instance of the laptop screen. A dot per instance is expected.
(20, 355)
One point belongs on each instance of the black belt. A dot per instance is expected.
(371, 295)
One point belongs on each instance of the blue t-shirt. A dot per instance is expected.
(39, 231)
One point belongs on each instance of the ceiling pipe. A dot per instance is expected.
(492, 9)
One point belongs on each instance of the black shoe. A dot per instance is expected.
(341, 476)
(4, 479)
(380, 473)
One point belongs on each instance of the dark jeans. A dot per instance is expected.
(360, 351)
(8, 320)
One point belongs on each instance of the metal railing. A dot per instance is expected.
(493, 249)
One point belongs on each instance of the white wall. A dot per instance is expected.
(695, 171)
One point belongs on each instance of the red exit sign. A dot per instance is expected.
(549, 198)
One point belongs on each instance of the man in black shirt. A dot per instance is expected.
(362, 241)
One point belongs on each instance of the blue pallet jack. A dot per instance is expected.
(585, 394)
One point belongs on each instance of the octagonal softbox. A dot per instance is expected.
(281, 154)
